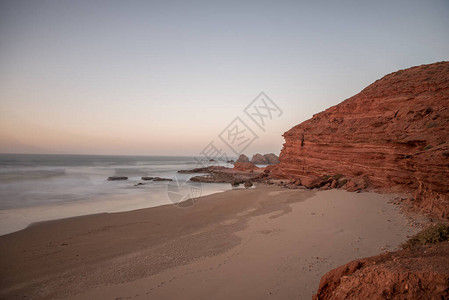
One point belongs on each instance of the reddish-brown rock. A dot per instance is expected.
(272, 158)
(259, 159)
(245, 166)
(243, 158)
(393, 135)
(420, 273)
(266, 159)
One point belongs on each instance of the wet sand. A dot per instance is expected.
(264, 243)
(15, 219)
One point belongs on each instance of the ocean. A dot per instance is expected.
(36, 188)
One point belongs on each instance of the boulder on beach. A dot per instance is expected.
(236, 183)
(248, 184)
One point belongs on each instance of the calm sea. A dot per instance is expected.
(45, 185)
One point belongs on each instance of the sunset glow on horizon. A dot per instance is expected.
(165, 78)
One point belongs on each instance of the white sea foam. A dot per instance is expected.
(36, 188)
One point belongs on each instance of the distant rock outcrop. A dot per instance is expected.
(243, 158)
(272, 159)
(266, 159)
(393, 135)
(259, 159)
(248, 184)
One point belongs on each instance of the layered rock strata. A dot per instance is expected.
(393, 135)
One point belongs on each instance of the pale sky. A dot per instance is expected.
(166, 77)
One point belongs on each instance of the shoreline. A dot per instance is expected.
(220, 246)
(17, 219)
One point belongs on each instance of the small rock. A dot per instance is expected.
(235, 183)
(112, 178)
(334, 184)
(161, 179)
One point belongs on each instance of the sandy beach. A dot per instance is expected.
(224, 150)
(15, 219)
(266, 243)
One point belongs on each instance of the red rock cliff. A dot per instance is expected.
(392, 135)
(420, 273)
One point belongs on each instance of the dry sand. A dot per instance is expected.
(262, 243)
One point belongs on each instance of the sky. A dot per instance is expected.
(167, 77)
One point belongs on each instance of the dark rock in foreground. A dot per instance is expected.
(113, 178)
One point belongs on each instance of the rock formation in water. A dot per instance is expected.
(266, 159)
(114, 178)
(259, 159)
(245, 166)
(162, 179)
(272, 159)
(243, 158)
(393, 135)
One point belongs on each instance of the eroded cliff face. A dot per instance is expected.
(393, 135)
